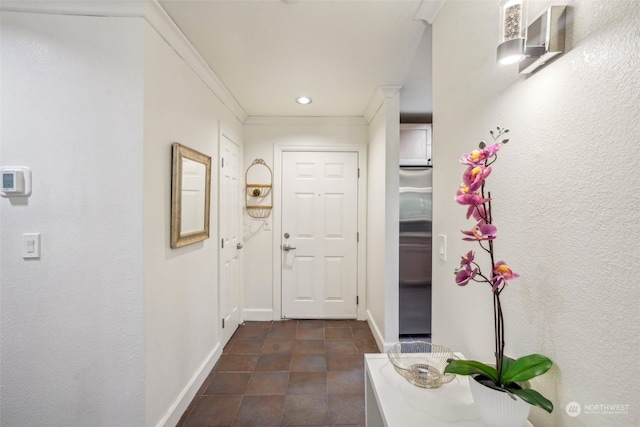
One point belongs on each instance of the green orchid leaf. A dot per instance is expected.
(471, 367)
(534, 398)
(527, 367)
(506, 364)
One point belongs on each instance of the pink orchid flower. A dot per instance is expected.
(467, 259)
(466, 272)
(493, 149)
(464, 276)
(502, 269)
(502, 273)
(474, 176)
(476, 157)
(481, 231)
(478, 212)
(497, 282)
(465, 197)
(479, 157)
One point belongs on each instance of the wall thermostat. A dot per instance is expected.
(16, 181)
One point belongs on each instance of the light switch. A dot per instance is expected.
(442, 247)
(31, 245)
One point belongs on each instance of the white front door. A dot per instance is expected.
(320, 218)
(229, 219)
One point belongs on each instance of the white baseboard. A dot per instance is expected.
(175, 411)
(258, 315)
(375, 331)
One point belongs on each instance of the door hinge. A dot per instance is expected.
(222, 241)
(222, 160)
(223, 323)
(357, 236)
(357, 300)
(358, 172)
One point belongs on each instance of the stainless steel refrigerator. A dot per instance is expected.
(415, 250)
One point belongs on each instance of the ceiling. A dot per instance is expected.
(337, 52)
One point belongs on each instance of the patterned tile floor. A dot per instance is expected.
(289, 373)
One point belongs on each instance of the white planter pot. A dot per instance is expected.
(498, 408)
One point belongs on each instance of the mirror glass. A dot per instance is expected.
(193, 196)
(190, 196)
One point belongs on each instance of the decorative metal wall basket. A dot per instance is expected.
(259, 200)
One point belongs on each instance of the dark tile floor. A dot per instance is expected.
(289, 373)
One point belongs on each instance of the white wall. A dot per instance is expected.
(72, 321)
(564, 201)
(261, 135)
(109, 327)
(181, 285)
(383, 216)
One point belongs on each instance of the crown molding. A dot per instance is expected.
(155, 15)
(429, 10)
(382, 94)
(304, 121)
(117, 8)
(158, 18)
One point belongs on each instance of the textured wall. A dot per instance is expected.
(72, 326)
(565, 201)
(110, 326)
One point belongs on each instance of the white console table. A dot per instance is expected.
(391, 401)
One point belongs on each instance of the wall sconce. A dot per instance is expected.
(532, 46)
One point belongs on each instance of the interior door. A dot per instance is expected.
(231, 245)
(320, 232)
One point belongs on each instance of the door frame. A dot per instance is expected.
(278, 149)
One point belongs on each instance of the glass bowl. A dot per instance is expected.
(421, 363)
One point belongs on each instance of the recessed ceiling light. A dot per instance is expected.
(303, 100)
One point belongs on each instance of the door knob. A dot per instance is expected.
(239, 246)
(286, 247)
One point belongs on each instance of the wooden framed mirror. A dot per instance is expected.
(190, 196)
